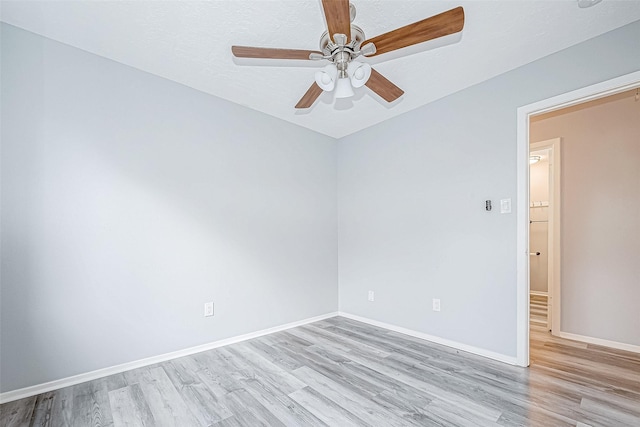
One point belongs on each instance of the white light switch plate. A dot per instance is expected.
(505, 206)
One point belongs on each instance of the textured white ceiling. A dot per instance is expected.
(189, 42)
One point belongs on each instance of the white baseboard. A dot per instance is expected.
(600, 341)
(539, 293)
(449, 343)
(100, 373)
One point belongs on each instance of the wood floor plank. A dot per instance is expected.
(286, 337)
(458, 415)
(114, 382)
(416, 414)
(165, 402)
(242, 419)
(91, 405)
(43, 409)
(17, 413)
(200, 399)
(270, 352)
(62, 409)
(243, 404)
(129, 408)
(214, 373)
(325, 409)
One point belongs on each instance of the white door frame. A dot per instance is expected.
(609, 87)
(553, 146)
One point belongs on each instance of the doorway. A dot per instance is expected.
(539, 238)
(544, 232)
(597, 91)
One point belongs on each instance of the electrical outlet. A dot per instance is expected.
(208, 309)
(371, 296)
(436, 304)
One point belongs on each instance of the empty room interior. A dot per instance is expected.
(320, 213)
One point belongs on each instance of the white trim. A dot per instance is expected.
(538, 293)
(99, 373)
(522, 239)
(449, 343)
(609, 87)
(600, 341)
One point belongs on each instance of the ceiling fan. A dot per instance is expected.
(344, 42)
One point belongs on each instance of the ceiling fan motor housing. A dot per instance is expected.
(357, 35)
(339, 52)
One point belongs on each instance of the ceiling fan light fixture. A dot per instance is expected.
(343, 42)
(359, 73)
(326, 77)
(343, 88)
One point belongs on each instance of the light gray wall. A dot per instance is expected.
(600, 193)
(128, 201)
(411, 193)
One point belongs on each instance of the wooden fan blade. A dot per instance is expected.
(446, 23)
(310, 97)
(383, 87)
(271, 53)
(336, 12)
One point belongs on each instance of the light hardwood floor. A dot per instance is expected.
(340, 372)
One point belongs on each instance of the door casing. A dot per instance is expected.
(524, 113)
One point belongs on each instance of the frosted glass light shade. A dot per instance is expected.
(359, 73)
(343, 88)
(326, 77)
